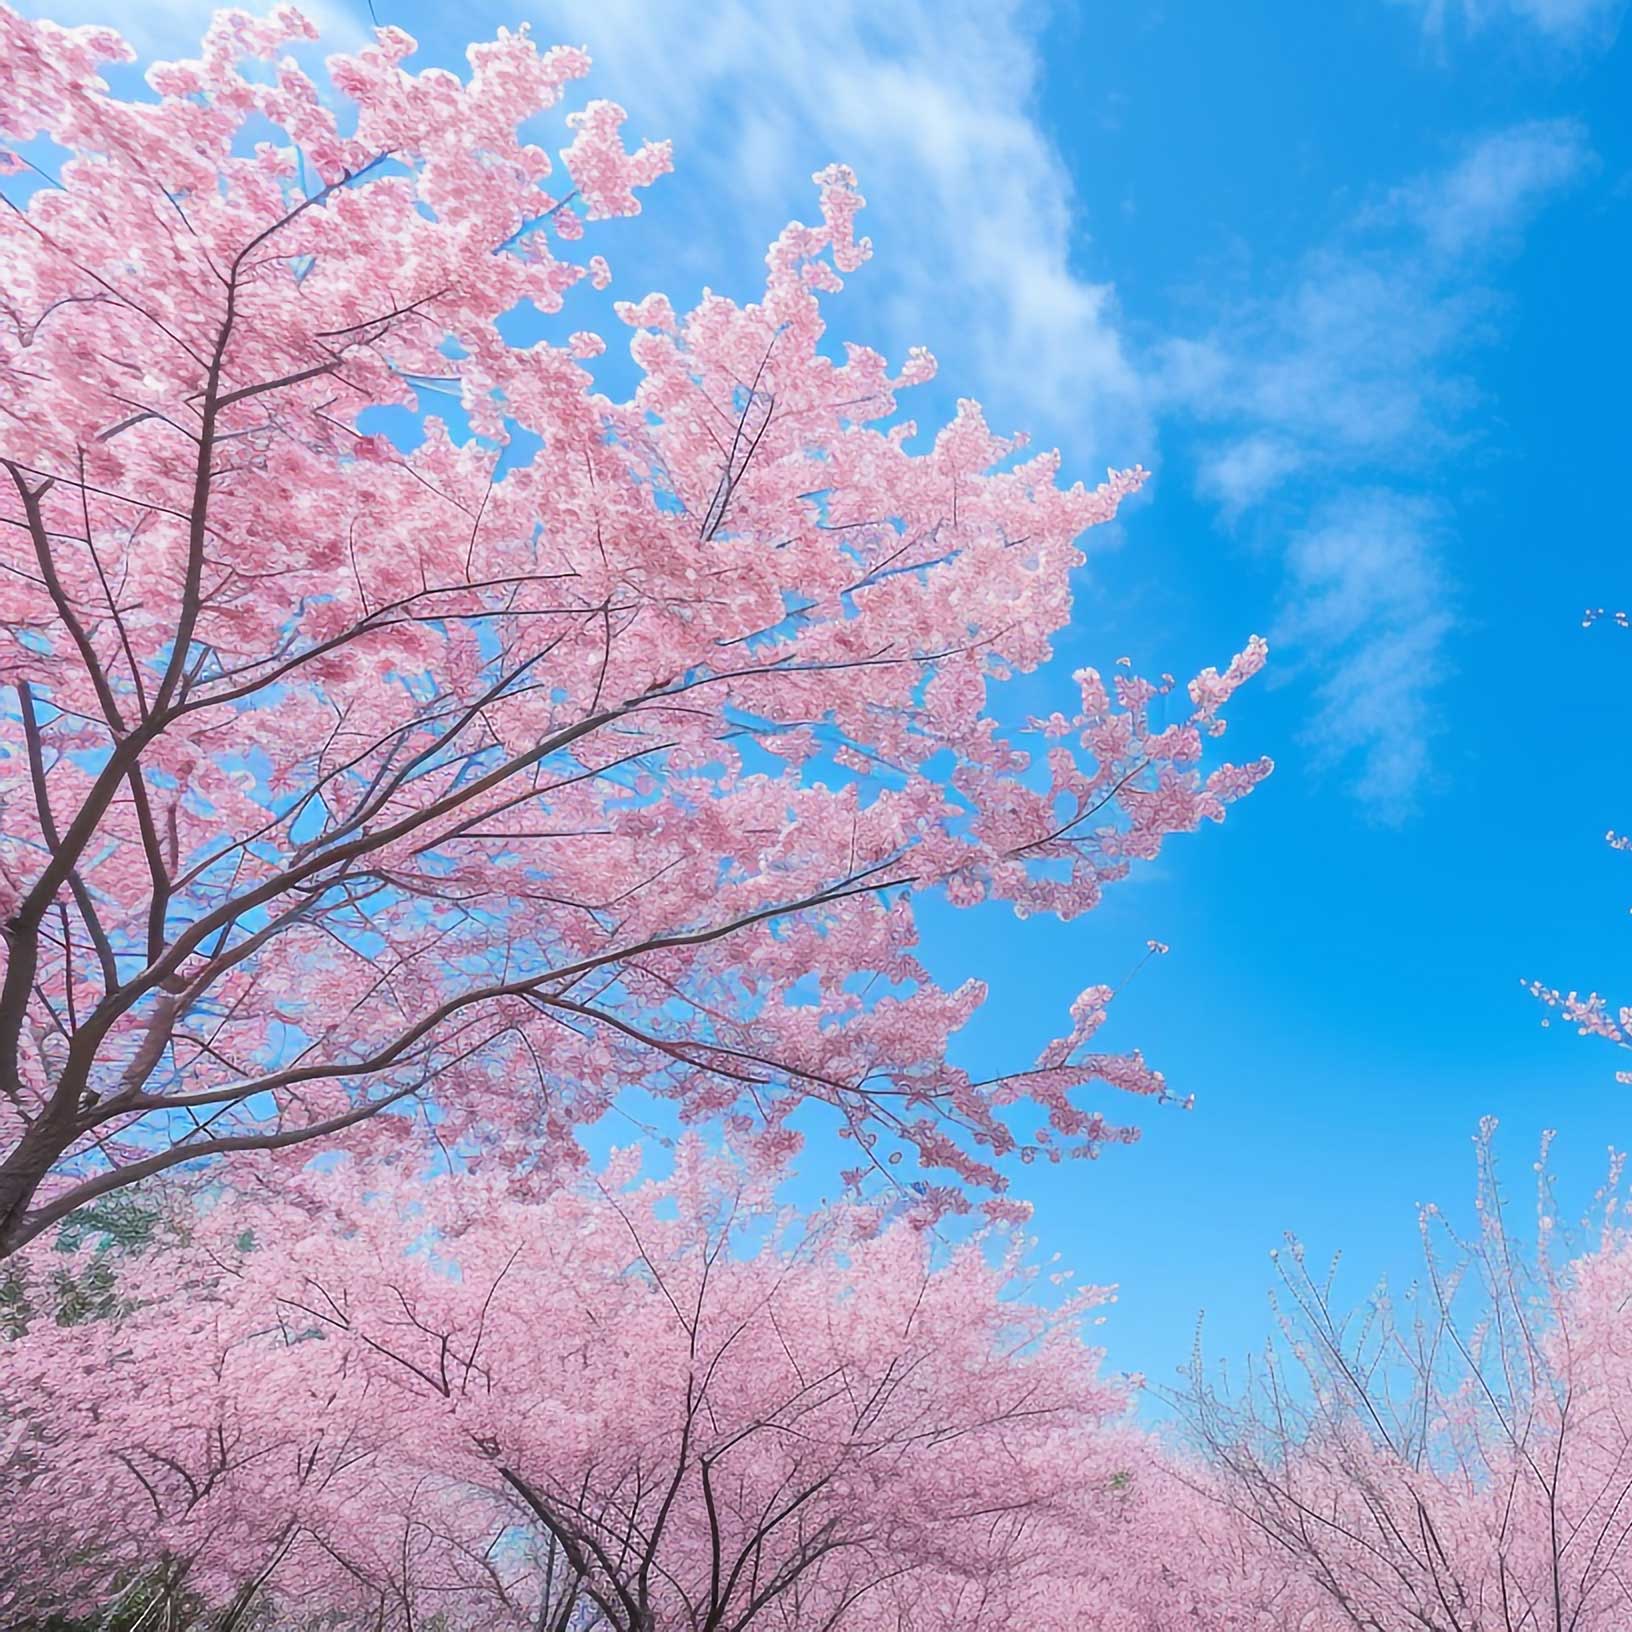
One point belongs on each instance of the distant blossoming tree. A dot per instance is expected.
(637, 1406)
(1461, 1466)
(584, 745)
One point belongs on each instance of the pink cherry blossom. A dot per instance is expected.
(404, 790)
(355, 1398)
(1455, 1456)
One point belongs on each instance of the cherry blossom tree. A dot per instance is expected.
(1462, 1465)
(448, 785)
(632, 1405)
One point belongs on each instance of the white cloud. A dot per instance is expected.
(1341, 393)
(1368, 606)
(1339, 368)
(1358, 358)
(1497, 186)
(1568, 21)
(1242, 472)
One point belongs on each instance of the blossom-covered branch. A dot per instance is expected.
(456, 782)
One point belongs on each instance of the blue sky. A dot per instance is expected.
(1349, 277)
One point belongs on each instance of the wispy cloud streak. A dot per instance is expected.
(1566, 21)
(1333, 404)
